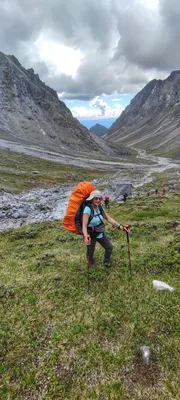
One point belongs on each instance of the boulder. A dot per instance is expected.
(121, 189)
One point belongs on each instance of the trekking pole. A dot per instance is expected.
(88, 259)
(129, 253)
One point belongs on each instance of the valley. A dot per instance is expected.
(37, 189)
(67, 332)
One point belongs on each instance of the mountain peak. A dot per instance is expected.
(98, 129)
(174, 74)
(151, 121)
(32, 113)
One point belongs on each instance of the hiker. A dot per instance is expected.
(106, 202)
(125, 195)
(156, 191)
(95, 230)
(163, 190)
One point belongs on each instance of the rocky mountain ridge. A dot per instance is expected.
(98, 130)
(152, 120)
(31, 112)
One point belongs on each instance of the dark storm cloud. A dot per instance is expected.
(150, 39)
(76, 96)
(125, 43)
(17, 25)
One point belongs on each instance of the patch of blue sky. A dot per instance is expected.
(102, 107)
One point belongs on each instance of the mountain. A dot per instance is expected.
(152, 120)
(31, 112)
(98, 130)
(88, 123)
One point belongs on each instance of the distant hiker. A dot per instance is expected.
(106, 202)
(163, 190)
(94, 231)
(156, 191)
(125, 195)
(148, 194)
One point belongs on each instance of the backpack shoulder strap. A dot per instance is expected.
(92, 212)
(101, 209)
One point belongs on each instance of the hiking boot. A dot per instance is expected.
(92, 267)
(107, 263)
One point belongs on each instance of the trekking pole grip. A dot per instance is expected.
(88, 237)
(127, 233)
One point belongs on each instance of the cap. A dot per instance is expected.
(94, 194)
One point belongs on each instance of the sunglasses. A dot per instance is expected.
(98, 198)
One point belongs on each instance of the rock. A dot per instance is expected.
(16, 215)
(36, 205)
(159, 285)
(23, 214)
(145, 354)
(121, 189)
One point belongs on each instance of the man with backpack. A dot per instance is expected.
(106, 202)
(125, 195)
(93, 227)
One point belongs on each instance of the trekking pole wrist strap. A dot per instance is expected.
(125, 228)
(119, 226)
(87, 237)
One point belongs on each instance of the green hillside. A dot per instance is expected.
(60, 341)
(20, 172)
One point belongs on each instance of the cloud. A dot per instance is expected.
(51, 52)
(99, 103)
(85, 48)
(97, 108)
(84, 112)
(148, 37)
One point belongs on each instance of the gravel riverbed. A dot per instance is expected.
(45, 204)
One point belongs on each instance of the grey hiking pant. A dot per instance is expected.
(104, 242)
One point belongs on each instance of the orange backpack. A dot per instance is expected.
(73, 218)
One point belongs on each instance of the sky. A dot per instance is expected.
(96, 54)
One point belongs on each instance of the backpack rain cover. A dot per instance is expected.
(78, 196)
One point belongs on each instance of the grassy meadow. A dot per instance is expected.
(20, 172)
(67, 334)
